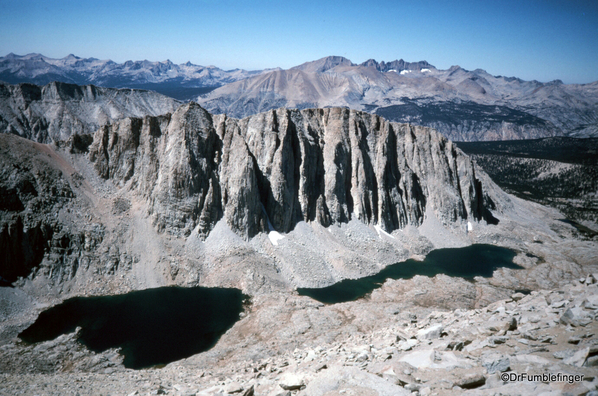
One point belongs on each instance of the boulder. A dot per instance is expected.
(430, 333)
(573, 316)
(351, 381)
(429, 358)
(496, 363)
(292, 381)
(578, 358)
(471, 381)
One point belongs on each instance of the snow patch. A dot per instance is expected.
(274, 237)
(381, 231)
(405, 71)
(469, 226)
(425, 70)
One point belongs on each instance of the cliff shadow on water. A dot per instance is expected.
(152, 327)
(467, 262)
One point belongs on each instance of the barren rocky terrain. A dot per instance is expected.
(392, 343)
(54, 112)
(463, 105)
(270, 203)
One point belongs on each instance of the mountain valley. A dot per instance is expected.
(106, 191)
(559, 172)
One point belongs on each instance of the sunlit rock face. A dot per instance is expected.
(277, 168)
(57, 111)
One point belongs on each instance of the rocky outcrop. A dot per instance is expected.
(57, 110)
(37, 206)
(397, 65)
(274, 169)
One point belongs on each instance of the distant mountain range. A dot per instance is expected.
(183, 82)
(463, 105)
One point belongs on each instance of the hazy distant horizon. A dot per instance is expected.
(270, 68)
(540, 40)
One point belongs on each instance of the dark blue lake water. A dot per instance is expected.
(466, 262)
(153, 326)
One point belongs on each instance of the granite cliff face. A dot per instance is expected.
(57, 110)
(275, 169)
(42, 228)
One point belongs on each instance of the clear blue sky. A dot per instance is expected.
(530, 39)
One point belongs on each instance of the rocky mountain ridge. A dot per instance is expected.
(214, 180)
(41, 70)
(165, 77)
(58, 110)
(463, 105)
(398, 66)
(330, 62)
(307, 197)
(275, 169)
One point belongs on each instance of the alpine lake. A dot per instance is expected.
(154, 327)
(466, 262)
